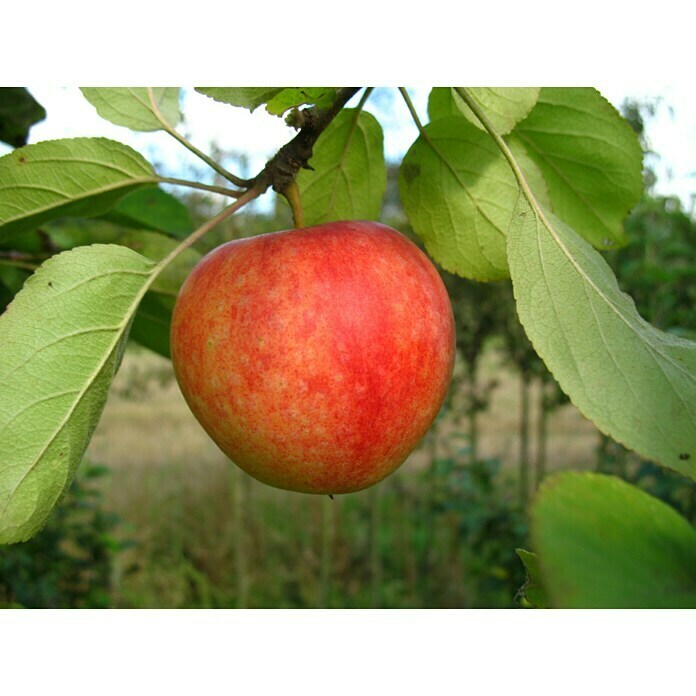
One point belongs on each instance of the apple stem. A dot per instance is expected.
(292, 195)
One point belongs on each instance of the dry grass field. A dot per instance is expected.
(147, 427)
(208, 535)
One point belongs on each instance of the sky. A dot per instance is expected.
(671, 132)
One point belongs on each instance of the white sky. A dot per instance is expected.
(671, 133)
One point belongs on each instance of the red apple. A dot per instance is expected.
(315, 358)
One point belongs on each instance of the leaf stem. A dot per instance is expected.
(245, 198)
(414, 113)
(507, 153)
(366, 95)
(237, 181)
(203, 187)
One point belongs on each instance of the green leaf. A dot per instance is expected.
(532, 591)
(153, 245)
(19, 111)
(350, 176)
(636, 383)
(6, 296)
(78, 176)
(292, 97)
(604, 544)
(441, 104)
(152, 209)
(504, 106)
(156, 246)
(68, 233)
(459, 194)
(590, 158)
(34, 243)
(13, 277)
(131, 106)
(151, 326)
(247, 97)
(153, 318)
(63, 337)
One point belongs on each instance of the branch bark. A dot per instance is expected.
(280, 171)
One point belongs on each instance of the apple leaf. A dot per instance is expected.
(504, 106)
(77, 176)
(459, 194)
(292, 97)
(636, 383)
(156, 246)
(591, 160)
(131, 106)
(11, 280)
(152, 209)
(441, 104)
(13, 277)
(152, 322)
(63, 337)
(6, 295)
(532, 591)
(247, 97)
(19, 111)
(350, 176)
(604, 544)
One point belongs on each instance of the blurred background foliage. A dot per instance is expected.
(165, 521)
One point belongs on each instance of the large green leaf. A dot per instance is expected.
(63, 337)
(504, 106)
(636, 383)
(151, 324)
(78, 177)
(247, 97)
(604, 544)
(590, 158)
(131, 106)
(350, 176)
(19, 111)
(459, 194)
(152, 209)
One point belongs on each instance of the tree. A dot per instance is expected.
(524, 184)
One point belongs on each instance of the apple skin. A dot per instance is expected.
(315, 358)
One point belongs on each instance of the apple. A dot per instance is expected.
(315, 358)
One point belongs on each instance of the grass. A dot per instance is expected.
(207, 535)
